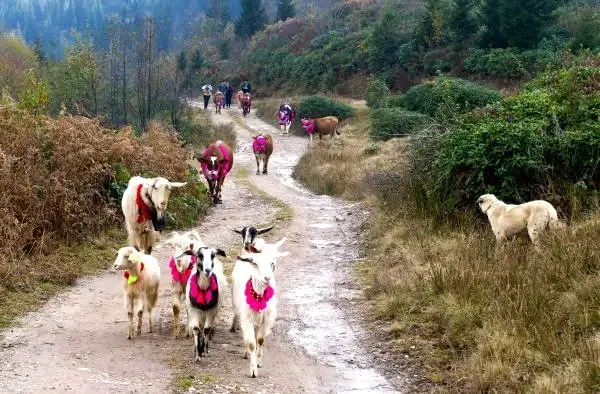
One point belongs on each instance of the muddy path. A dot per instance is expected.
(77, 342)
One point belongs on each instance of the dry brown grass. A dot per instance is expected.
(475, 322)
(54, 177)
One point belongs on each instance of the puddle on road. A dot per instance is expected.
(321, 225)
(321, 243)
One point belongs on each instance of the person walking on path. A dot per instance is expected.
(228, 95)
(206, 93)
(246, 87)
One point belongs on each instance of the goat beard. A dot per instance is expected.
(157, 222)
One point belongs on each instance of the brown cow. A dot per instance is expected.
(262, 147)
(216, 161)
(324, 126)
(246, 103)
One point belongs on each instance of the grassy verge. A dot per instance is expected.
(472, 321)
(46, 275)
(283, 212)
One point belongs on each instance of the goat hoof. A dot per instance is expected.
(232, 329)
(264, 173)
(257, 172)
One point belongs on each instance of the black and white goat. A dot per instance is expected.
(250, 234)
(204, 295)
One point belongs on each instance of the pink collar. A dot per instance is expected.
(309, 126)
(204, 299)
(255, 301)
(181, 277)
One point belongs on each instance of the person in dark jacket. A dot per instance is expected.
(246, 87)
(228, 95)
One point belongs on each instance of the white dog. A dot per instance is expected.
(507, 219)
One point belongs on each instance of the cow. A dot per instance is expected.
(219, 100)
(285, 117)
(324, 126)
(262, 147)
(216, 162)
(246, 103)
(239, 97)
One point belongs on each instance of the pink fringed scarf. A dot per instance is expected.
(284, 118)
(207, 298)
(308, 125)
(255, 301)
(259, 145)
(181, 277)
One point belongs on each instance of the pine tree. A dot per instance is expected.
(285, 10)
(461, 21)
(218, 9)
(524, 21)
(516, 23)
(492, 19)
(252, 18)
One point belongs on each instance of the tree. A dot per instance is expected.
(384, 41)
(285, 10)
(491, 19)
(218, 9)
(252, 18)
(516, 23)
(462, 23)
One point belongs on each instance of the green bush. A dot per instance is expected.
(377, 93)
(393, 101)
(319, 106)
(507, 63)
(547, 139)
(388, 123)
(444, 98)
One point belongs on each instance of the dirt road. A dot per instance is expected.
(77, 342)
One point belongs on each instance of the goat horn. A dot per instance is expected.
(264, 230)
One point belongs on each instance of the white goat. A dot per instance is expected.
(140, 285)
(144, 203)
(204, 296)
(181, 266)
(254, 300)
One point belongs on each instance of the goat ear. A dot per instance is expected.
(221, 252)
(281, 242)
(237, 231)
(201, 159)
(254, 137)
(134, 257)
(265, 230)
(177, 184)
(222, 161)
(246, 259)
(283, 254)
(114, 256)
